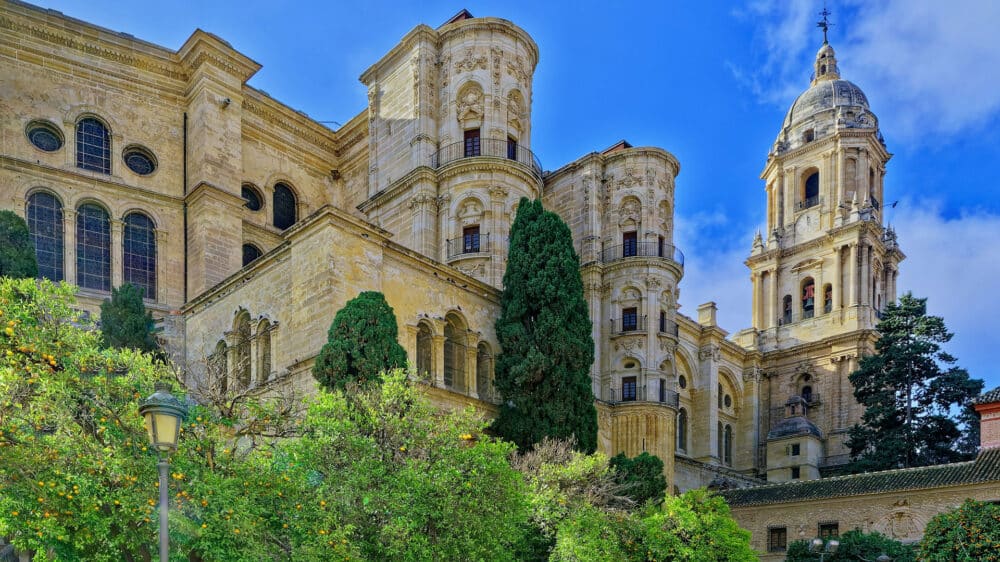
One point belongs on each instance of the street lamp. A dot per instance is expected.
(830, 547)
(163, 414)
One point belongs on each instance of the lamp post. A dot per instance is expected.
(163, 414)
(817, 545)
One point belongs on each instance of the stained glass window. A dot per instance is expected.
(93, 146)
(45, 223)
(139, 253)
(93, 248)
(284, 206)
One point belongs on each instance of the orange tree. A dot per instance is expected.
(77, 481)
(970, 532)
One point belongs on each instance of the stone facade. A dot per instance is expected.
(265, 222)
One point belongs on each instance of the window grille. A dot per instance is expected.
(93, 146)
(139, 254)
(284, 206)
(45, 223)
(93, 248)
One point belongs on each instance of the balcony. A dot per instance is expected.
(809, 202)
(492, 148)
(628, 325)
(643, 393)
(668, 328)
(476, 244)
(642, 250)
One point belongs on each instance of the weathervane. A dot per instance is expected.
(824, 23)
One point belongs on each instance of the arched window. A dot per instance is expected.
(250, 253)
(484, 371)
(139, 253)
(810, 196)
(808, 297)
(93, 146)
(93, 248)
(807, 394)
(45, 223)
(786, 309)
(424, 351)
(454, 354)
(218, 366)
(241, 353)
(264, 350)
(722, 392)
(719, 443)
(827, 298)
(284, 206)
(727, 448)
(682, 428)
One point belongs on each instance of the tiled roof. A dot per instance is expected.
(986, 468)
(989, 398)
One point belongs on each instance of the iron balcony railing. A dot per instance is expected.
(642, 250)
(669, 327)
(875, 203)
(468, 244)
(495, 148)
(809, 202)
(628, 324)
(643, 393)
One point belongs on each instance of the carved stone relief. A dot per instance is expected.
(470, 62)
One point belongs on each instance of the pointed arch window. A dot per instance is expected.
(93, 146)
(264, 350)
(284, 206)
(682, 425)
(484, 372)
(241, 353)
(45, 223)
(424, 351)
(139, 253)
(93, 247)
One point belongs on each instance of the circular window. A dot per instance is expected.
(682, 382)
(729, 401)
(44, 136)
(251, 197)
(139, 160)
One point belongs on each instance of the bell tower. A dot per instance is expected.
(826, 266)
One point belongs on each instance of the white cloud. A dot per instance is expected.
(929, 66)
(954, 264)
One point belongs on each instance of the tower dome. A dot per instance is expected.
(830, 103)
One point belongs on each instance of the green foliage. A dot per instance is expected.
(17, 253)
(855, 545)
(968, 533)
(413, 482)
(641, 477)
(125, 322)
(544, 332)
(77, 479)
(696, 526)
(909, 389)
(362, 342)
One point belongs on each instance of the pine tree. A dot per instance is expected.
(125, 322)
(911, 392)
(544, 332)
(17, 253)
(362, 343)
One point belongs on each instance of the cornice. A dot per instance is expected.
(230, 284)
(204, 47)
(828, 239)
(491, 25)
(651, 151)
(87, 43)
(402, 49)
(490, 164)
(91, 179)
(205, 189)
(279, 115)
(643, 263)
(854, 338)
(398, 187)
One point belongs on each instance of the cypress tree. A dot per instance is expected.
(911, 391)
(544, 330)
(17, 253)
(125, 322)
(361, 344)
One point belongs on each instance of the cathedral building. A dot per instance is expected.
(248, 225)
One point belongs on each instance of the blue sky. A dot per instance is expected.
(708, 81)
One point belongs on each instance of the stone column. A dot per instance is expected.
(756, 301)
(470, 365)
(775, 298)
(69, 245)
(852, 263)
(838, 279)
(117, 251)
(437, 343)
(161, 265)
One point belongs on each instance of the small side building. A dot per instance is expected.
(898, 503)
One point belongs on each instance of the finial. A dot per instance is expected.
(824, 23)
